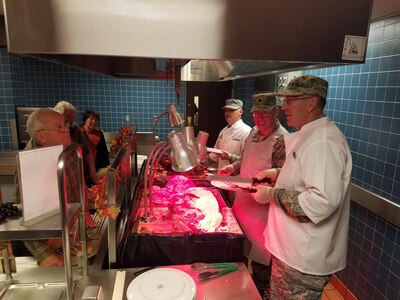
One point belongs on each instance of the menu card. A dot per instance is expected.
(38, 184)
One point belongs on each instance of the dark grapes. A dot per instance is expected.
(9, 210)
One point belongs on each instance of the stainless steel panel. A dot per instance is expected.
(376, 204)
(198, 29)
(45, 291)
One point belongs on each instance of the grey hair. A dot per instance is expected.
(34, 122)
(62, 106)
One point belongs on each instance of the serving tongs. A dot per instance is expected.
(209, 275)
(202, 266)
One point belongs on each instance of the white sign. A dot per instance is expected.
(38, 184)
(354, 47)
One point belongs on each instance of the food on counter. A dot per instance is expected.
(201, 212)
(8, 210)
(182, 207)
(197, 207)
(208, 205)
(175, 191)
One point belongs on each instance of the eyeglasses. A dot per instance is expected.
(60, 128)
(289, 100)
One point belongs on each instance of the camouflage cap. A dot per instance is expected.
(306, 85)
(263, 101)
(233, 104)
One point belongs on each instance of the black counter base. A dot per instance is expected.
(144, 250)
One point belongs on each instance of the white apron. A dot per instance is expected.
(251, 215)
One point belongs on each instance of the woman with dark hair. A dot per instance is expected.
(96, 139)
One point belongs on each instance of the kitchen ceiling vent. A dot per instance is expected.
(225, 39)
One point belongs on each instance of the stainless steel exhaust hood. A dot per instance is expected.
(221, 39)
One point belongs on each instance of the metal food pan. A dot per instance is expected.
(29, 291)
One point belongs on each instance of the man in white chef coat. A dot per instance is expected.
(308, 218)
(263, 149)
(231, 139)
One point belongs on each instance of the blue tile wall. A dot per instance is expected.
(370, 118)
(11, 92)
(243, 90)
(115, 99)
(373, 258)
(364, 101)
(44, 84)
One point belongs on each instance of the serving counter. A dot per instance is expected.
(234, 285)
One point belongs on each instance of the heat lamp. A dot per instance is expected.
(175, 119)
(183, 159)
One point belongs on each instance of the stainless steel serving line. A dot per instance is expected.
(56, 226)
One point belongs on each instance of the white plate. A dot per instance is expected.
(213, 150)
(162, 284)
(225, 185)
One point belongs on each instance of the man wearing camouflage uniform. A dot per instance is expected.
(308, 218)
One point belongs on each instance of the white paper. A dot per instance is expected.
(37, 174)
(354, 47)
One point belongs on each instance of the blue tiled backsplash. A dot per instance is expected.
(116, 100)
(363, 100)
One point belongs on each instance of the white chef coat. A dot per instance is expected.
(318, 164)
(251, 215)
(231, 139)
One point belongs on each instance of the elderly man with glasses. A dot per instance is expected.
(308, 217)
(231, 138)
(48, 128)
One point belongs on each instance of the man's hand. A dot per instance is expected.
(269, 173)
(53, 260)
(226, 171)
(224, 155)
(264, 194)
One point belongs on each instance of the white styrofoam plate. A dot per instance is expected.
(162, 284)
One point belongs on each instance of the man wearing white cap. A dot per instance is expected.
(231, 139)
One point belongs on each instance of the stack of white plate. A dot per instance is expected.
(162, 284)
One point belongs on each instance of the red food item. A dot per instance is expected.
(174, 192)
(179, 184)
